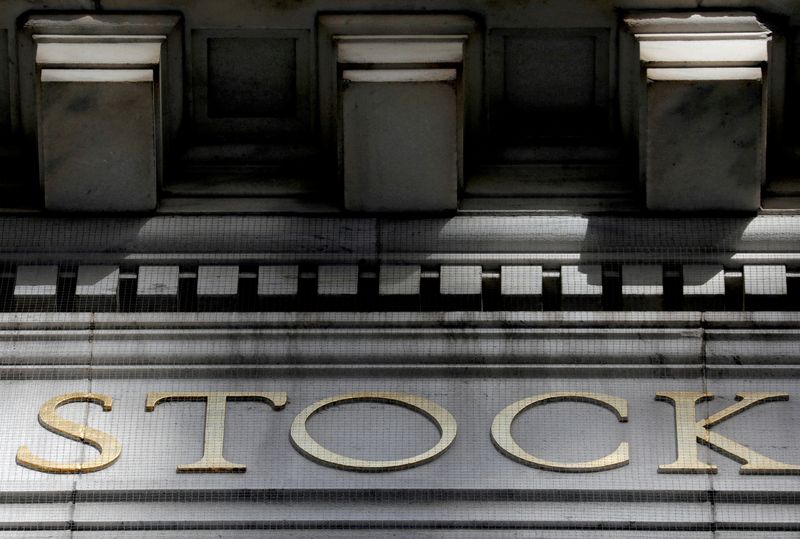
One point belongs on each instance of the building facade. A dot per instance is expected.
(334, 268)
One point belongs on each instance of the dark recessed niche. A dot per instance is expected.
(552, 84)
(252, 77)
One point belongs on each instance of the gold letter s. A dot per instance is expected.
(110, 449)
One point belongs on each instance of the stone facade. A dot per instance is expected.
(253, 250)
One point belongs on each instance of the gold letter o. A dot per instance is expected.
(306, 445)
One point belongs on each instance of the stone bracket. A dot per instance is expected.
(701, 109)
(106, 103)
(401, 126)
(397, 87)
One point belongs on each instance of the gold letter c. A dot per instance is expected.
(505, 443)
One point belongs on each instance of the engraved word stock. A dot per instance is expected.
(688, 432)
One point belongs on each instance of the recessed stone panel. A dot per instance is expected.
(252, 83)
(251, 77)
(549, 83)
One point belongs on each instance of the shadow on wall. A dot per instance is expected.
(664, 263)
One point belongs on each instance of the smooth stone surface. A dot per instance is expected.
(584, 280)
(521, 280)
(96, 288)
(36, 281)
(251, 77)
(499, 239)
(35, 288)
(217, 280)
(642, 287)
(97, 281)
(337, 280)
(157, 281)
(765, 280)
(460, 280)
(703, 280)
(581, 287)
(412, 49)
(400, 146)
(642, 280)
(677, 22)
(399, 280)
(93, 157)
(108, 54)
(704, 144)
(277, 280)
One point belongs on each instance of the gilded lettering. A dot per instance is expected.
(109, 447)
(689, 432)
(310, 448)
(213, 460)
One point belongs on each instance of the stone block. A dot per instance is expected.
(278, 280)
(277, 288)
(94, 156)
(399, 280)
(703, 287)
(337, 280)
(460, 287)
(217, 287)
(704, 139)
(406, 54)
(521, 280)
(35, 288)
(400, 123)
(157, 288)
(765, 288)
(96, 288)
(581, 287)
(642, 287)
(217, 280)
(765, 280)
(521, 287)
(460, 280)
(400, 144)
